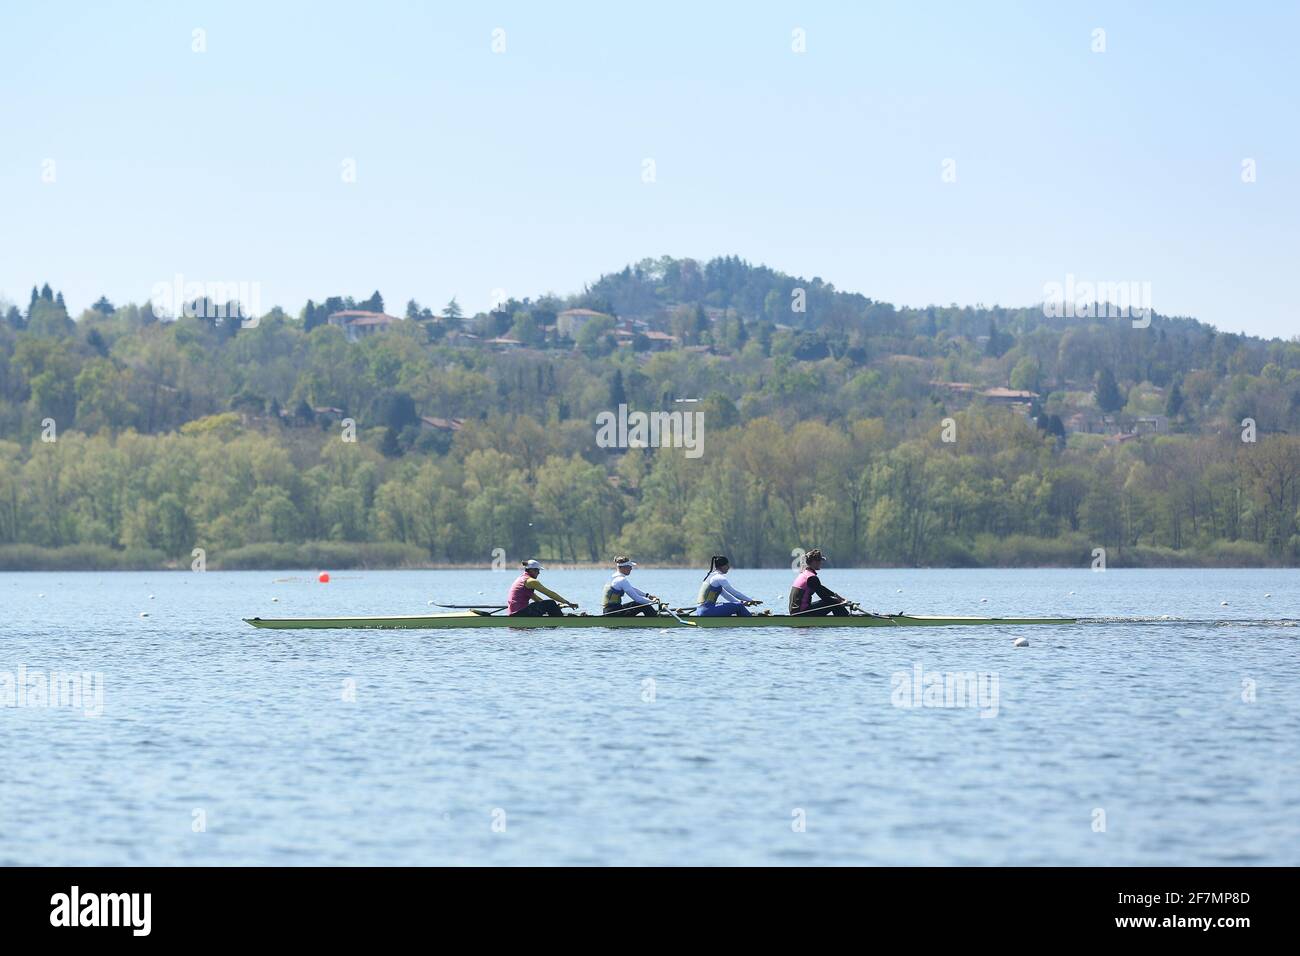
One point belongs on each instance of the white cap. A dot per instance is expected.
(533, 565)
(625, 564)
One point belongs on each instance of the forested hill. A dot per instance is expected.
(885, 435)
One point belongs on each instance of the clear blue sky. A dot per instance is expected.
(523, 170)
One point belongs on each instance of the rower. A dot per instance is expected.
(715, 586)
(807, 586)
(524, 600)
(620, 587)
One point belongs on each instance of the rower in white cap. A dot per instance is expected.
(620, 587)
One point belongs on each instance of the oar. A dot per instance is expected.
(673, 614)
(622, 611)
(487, 610)
(855, 606)
(825, 607)
(661, 605)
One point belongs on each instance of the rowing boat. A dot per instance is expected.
(471, 619)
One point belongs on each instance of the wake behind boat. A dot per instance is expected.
(475, 619)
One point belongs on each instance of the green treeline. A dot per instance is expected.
(827, 426)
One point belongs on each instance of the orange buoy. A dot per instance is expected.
(324, 577)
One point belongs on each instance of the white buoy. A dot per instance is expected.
(1223, 604)
(1269, 594)
(1020, 642)
(899, 591)
(150, 597)
(984, 600)
(275, 600)
(42, 594)
(144, 613)
(1072, 592)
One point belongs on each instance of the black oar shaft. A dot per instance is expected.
(823, 607)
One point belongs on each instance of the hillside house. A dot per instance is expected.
(570, 322)
(357, 323)
(1008, 396)
(1151, 425)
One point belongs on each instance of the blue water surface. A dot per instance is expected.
(1166, 733)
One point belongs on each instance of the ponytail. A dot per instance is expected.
(714, 562)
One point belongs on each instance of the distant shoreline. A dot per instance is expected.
(371, 556)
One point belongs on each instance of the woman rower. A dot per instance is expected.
(620, 587)
(715, 586)
(808, 585)
(524, 601)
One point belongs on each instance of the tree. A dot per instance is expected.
(53, 396)
(999, 342)
(1109, 397)
(1272, 467)
(1174, 404)
(397, 411)
(594, 338)
(101, 389)
(524, 328)
(1025, 375)
(452, 316)
(617, 393)
(48, 318)
(173, 527)
(691, 325)
(311, 316)
(103, 306)
(373, 304)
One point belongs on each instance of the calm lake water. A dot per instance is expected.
(1116, 742)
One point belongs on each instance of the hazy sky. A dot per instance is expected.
(523, 170)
